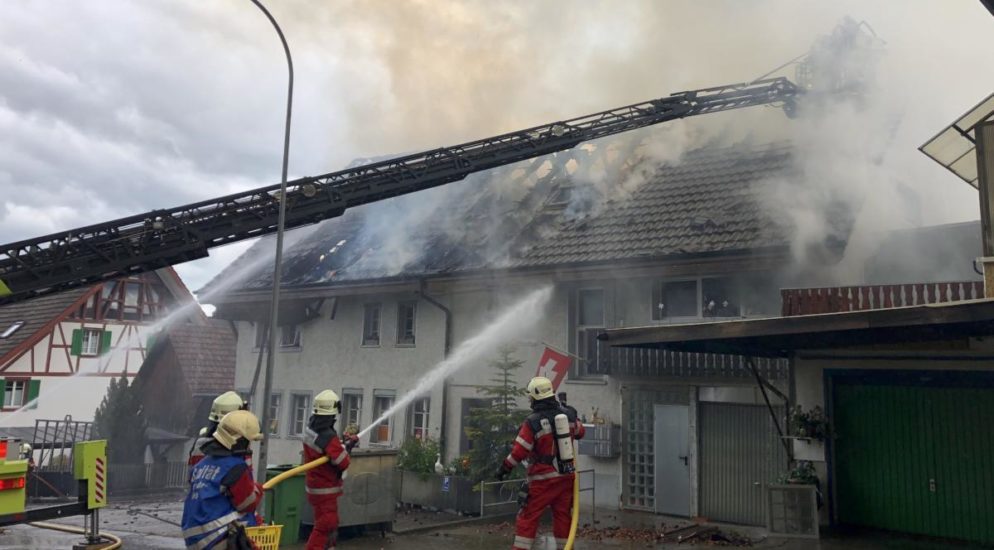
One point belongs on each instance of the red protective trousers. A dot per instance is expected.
(557, 493)
(324, 534)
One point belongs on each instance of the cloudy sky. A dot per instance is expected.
(110, 108)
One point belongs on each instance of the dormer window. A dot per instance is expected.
(11, 329)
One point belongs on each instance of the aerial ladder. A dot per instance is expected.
(161, 238)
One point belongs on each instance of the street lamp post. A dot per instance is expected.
(278, 268)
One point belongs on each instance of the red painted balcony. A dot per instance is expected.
(841, 299)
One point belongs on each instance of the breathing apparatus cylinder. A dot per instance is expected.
(564, 445)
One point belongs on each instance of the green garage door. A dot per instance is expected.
(915, 459)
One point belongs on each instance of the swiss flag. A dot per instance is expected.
(554, 366)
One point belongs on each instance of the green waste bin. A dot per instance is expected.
(284, 502)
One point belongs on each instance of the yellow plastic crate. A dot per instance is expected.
(266, 537)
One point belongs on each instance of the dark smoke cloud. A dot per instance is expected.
(108, 108)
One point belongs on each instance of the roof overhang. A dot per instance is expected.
(782, 336)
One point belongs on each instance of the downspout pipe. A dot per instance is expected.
(447, 345)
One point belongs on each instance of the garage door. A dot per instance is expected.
(740, 454)
(916, 459)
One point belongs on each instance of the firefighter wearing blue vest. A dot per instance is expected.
(223, 496)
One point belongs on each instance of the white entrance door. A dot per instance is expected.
(671, 440)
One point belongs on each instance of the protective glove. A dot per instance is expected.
(351, 442)
(502, 473)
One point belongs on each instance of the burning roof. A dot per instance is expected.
(597, 204)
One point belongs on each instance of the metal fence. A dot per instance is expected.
(132, 478)
(504, 494)
(601, 358)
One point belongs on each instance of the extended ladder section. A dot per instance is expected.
(161, 238)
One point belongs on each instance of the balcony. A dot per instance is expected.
(641, 362)
(842, 299)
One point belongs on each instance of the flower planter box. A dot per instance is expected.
(434, 492)
(811, 450)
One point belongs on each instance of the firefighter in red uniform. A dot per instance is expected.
(324, 483)
(550, 478)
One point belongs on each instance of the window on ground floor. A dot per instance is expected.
(19, 392)
(275, 402)
(300, 404)
(352, 407)
(382, 401)
(417, 414)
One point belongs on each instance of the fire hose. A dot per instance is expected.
(294, 471)
(115, 541)
(575, 521)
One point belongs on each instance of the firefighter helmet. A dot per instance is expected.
(237, 425)
(326, 403)
(540, 388)
(225, 403)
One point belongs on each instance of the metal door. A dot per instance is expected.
(740, 454)
(671, 440)
(915, 459)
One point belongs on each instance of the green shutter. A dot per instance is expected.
(149, 343)
(77, 342)
(3, 390)
(104, 342)
(34, 386)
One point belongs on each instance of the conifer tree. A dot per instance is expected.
(492, 429)
(120, 421)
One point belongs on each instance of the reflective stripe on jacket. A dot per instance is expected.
(210, 506)
(536, 440)
(321, 480)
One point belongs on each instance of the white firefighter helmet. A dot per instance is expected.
(25, 450)
(540, 388)
(326, 403)
(237, 425)
(225, 403)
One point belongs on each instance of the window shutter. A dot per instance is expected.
(149, 343)
(3, 390)
(77, 342)
(104, 342)
(34, 387)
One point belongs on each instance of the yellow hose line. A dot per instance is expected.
(576, 510)
(115, 540)
(293, 472)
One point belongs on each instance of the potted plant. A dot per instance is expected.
(809, 429)
(803, 473)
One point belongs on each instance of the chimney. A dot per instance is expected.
(985, 178)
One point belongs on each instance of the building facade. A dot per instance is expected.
(690, 244)
(58, 353)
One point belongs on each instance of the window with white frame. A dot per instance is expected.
(417, 414)
(261, 336)
(406, 314)
(712, 297)
(352, 407)
(382, 401)
(290, 336)
(15, 394)
(275, 401)
(90, 345)
(299, 405)
(371, 325)
(590, 320)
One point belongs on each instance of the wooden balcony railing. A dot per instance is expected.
(841, 299)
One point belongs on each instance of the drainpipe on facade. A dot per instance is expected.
(445, 354)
